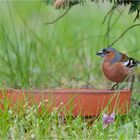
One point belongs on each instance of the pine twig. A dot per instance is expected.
(52, 22)
(124, 33)
(109, 12)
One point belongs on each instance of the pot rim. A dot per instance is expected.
(66, 91)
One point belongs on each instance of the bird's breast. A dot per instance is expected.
(115, 72)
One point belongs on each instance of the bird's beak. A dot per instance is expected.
(100, 53)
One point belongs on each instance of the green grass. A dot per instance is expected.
(62, 54)
(25, 122)
(33, 55)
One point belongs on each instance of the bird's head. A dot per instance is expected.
(110, 54)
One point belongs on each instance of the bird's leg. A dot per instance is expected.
(115, 85)
(132, 82)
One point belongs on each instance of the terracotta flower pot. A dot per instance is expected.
(86, 102)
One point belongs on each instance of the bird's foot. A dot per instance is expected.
(115, 86)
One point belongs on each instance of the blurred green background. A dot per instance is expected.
(63, 54)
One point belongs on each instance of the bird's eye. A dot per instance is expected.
(107, 52)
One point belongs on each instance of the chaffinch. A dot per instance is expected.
(117, 67)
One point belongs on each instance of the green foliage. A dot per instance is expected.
(62, 54)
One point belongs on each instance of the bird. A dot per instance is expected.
(117, 66)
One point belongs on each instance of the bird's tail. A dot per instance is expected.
(138, 62)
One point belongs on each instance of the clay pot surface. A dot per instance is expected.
(85, 102)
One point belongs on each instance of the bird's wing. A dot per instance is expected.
(128, 61)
